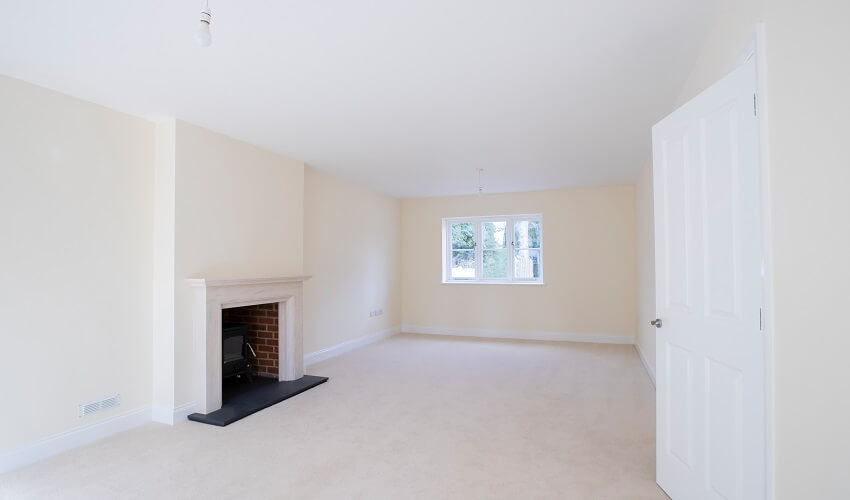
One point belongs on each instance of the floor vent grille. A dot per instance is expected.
(103, 404)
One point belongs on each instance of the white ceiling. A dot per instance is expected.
(407, 97)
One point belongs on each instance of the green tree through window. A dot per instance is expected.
(495, 253)
(463, 250)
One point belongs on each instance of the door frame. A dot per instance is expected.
(755, 48)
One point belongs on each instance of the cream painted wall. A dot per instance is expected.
(806, 106)
(590, 265)
(239, 214)
(76, 192)
(645, 337)
(809, 106)
(352, 250)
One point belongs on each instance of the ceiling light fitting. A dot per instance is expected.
(203, 36)
(480, 188)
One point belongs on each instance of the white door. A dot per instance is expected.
(710, 441)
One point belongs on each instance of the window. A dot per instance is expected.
(463, 250)
(499, 249)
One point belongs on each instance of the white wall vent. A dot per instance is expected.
(103, 404)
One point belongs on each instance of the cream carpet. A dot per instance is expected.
(412, 417)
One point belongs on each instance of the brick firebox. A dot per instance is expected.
(262, 321)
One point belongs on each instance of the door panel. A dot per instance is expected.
(676, 194)
(719, 170)
(724, 413)
(710, 352)
(680, 404)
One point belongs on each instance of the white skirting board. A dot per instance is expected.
(183, 411)
(518, 335)
(336, 350)
(163, 414)
(649, 369)
(170, 416)
(73, 438)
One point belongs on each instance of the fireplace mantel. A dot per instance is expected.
(212, 283)
(210, 296)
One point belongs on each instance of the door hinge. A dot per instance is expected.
(761, 321)
(755, 105)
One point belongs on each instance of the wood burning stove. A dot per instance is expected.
(234, 351)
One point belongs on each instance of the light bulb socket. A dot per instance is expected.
(202, 36)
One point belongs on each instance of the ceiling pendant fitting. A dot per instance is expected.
(480, 188)
(203, 36)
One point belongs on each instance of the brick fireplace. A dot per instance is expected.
(262, 321)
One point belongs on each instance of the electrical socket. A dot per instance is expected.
(376, 312)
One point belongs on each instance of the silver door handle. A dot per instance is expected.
(656, 323)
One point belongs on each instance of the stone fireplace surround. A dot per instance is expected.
(210, 297)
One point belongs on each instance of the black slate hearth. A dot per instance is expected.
(250, 399)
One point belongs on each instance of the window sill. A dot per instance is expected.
(471, 282)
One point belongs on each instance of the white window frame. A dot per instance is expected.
(478, 221)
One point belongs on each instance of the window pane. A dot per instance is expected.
(493, 234)
(463, 235)
(527, 234)
(463, 264)
(527, 264)
(495, 263)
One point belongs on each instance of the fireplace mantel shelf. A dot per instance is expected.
(208, 283)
